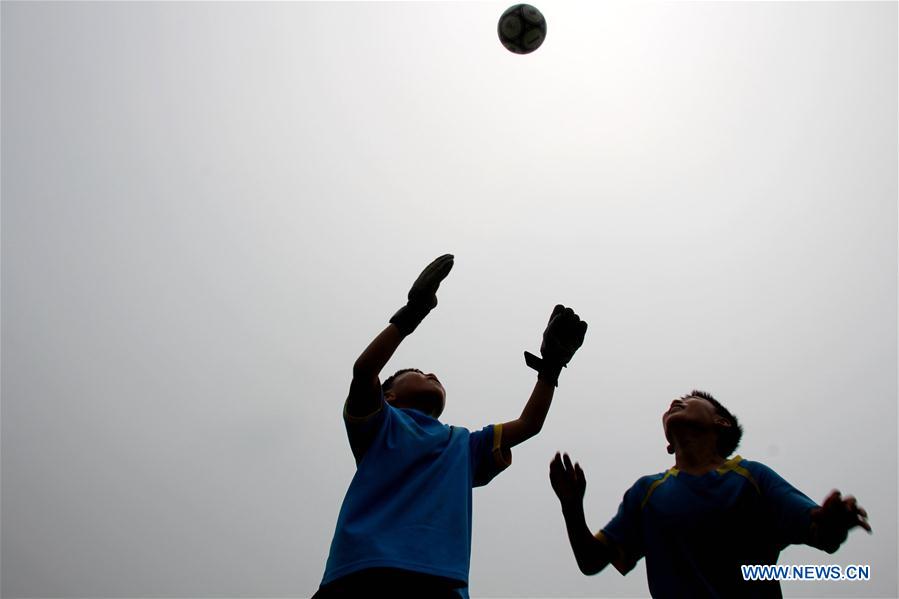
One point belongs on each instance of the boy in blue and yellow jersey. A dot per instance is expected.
(701, 520)
(404, 529)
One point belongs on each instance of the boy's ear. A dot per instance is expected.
(389, 396)
(720, 421)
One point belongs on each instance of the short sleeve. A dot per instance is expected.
(624, 532)
(488, 458)
(361, 431)
(789, 508)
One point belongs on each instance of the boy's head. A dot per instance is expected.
(412, 388)
(697, 412)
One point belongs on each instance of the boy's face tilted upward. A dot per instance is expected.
(690, 412)
(417, 390)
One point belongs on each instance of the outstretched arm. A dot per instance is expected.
(364, 396)
(832, 521)
(569, 484)
(532, 416)
(563, 336)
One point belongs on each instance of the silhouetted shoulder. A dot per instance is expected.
(646, 481)
(757, 467)
(764, 475)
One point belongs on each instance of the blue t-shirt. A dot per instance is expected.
(409, 503)
(696, 531)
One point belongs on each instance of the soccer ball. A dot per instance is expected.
(522, 29)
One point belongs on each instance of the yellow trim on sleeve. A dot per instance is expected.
(602, 538)
(499, 455)
(620, 560)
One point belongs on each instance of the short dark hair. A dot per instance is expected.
(388, 384)
(728, 437)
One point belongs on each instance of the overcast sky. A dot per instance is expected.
(209, 209)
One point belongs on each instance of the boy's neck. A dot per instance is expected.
(419, 409)
(696, 454)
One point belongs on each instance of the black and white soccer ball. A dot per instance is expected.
(522, 29)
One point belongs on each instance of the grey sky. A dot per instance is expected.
(209, 209)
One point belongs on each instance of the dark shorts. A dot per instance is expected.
(390, 582)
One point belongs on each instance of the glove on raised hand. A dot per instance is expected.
(563, 336)
(423, 295)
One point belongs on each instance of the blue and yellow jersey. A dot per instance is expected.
(696, 531)
(409, 503)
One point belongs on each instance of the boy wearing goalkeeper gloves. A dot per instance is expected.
(404, 529)
(701, 520)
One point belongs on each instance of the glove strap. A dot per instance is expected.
(547, 372)
(409, 317)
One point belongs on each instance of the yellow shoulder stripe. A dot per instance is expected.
(733, 465)
(655, 484)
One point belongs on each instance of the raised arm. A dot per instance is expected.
(563, 336)
(364, 396)
(569, 484)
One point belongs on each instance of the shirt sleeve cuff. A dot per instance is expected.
(620, 559)
(502, 456)
(359, 419)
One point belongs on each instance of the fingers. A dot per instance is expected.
(445, 265)
(577, 329)
(845, 511)
(566, 331)
(859, 517)
(560, 315)
(832, 500)
(556, 311)
(555, 466)
(579, 474)
(862, 522)
(439, 268)
(561, 464)
(565, 319)
(557, 474)
(424, 288)
(567, 316)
